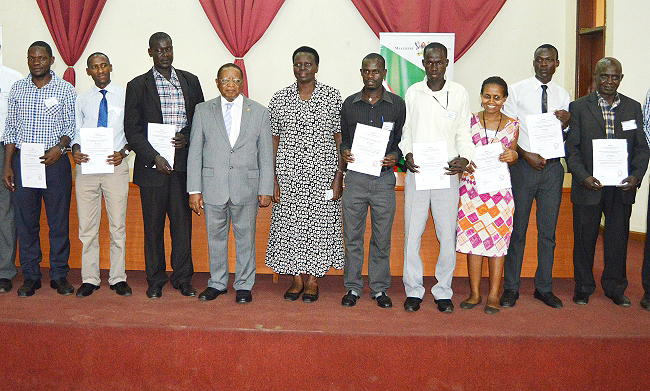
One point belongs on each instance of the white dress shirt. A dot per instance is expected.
(429, 118)
(235, 115)
(525, 98)
(87, 111)
(7, 78)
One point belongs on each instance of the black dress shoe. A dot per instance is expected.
(412, 304)
(293, 296)
(122, 288)
(581, 298)
(86, 289)
(509, 298)
(154, 292)
(62, 286)
(645, 302)
(243, 296)
(548, 298)
(187, 289)
(5, 285)
(621, 300)
(349, 300)
(445, 305)
(383, 300)
(309, 297)
(211, 293)
(28, 288)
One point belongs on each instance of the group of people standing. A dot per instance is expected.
(233, 155)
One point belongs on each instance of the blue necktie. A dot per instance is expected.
(102, 118)
(227, 118)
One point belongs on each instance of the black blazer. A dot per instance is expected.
(141, 107)
(587, 124)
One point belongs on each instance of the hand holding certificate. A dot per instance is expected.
(160, 136)
(432, 159)
(32, 170)
(545, 134)
(97, 143)
(368, 148)
(610, 161)
(490, 173)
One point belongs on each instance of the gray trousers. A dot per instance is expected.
(217, 220)
(378, 193)
(545, 187)
(7, 230)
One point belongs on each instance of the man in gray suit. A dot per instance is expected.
(229, 172)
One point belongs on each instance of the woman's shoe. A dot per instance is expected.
(293, 296)
(309, 298)
(490, 310)
(466, 305)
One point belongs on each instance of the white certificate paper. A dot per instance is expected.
(610, 161)
(160, 137)
(432, 159)
(32, 171)
(490, 174)
(368, 148)
(97, 143)
(545, 134)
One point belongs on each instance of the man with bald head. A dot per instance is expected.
(603, 114)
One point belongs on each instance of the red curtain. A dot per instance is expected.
(467, 18)
(71, 23)
(240, 23)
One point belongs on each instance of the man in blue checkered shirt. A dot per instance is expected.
(41, 110)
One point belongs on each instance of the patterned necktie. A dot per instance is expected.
(227, 118)
(102, 118)
(544, 99)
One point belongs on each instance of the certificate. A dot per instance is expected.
(32, 171)
(368, 148)
(432, 159)
(610, 161)
(490, 174)
(160, 137)
(97, 143)
(545, 135)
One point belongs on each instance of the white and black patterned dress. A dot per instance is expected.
(306, 230)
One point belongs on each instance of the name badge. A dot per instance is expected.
(388, 126)
(450, 114)
(51, 102)
(629, 125)
(114, 109)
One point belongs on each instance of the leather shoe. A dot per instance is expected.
(243, 296)
(154, 292)
(122, 288)
(383, 300)
(445, 305)
(187, 289)
(412, 304)
(490, 310)
(581, 298)
(293, 296)
(645, 302)
(5, 285)
(349, 300)
(86, 289)
(466, 305)
(509, 298)
(211, 293)
(548, 298)
(621, 300)
(28, 288)
(62, 286)
(310, 298)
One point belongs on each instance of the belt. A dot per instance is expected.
(555, 159)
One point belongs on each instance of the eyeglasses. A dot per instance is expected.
(226, 81)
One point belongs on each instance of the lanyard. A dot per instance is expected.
(434, 97)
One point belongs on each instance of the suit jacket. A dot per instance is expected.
(141, 107)
(222, 172)
(587, 124)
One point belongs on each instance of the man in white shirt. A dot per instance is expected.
(534, 177)
(102, 106)
(436, 110)
(7, 228)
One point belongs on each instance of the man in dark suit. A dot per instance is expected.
(163, 95)
(603, 114)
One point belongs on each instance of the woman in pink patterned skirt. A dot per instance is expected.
(485, 220)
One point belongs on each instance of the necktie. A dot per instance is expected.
(544, 99)
(227, 118)
(102, 118)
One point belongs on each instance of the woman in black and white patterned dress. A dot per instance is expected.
(306, 228)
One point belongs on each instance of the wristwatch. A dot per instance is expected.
(63, 149)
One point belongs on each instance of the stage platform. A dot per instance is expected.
(107, 342)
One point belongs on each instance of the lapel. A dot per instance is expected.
(218, 115)
(150, 85)
(185, 87)
(618, 117)
(594, 107)
(245, 119)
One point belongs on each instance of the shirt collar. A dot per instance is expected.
(443, 90)
(385, 95)
(48, 83)
(605, 103)
(158, 75)
(110, 88)
(239, 101)
(538, 84)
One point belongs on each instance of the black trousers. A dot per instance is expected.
(645, 269)
(586, 224)
(170, 199)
